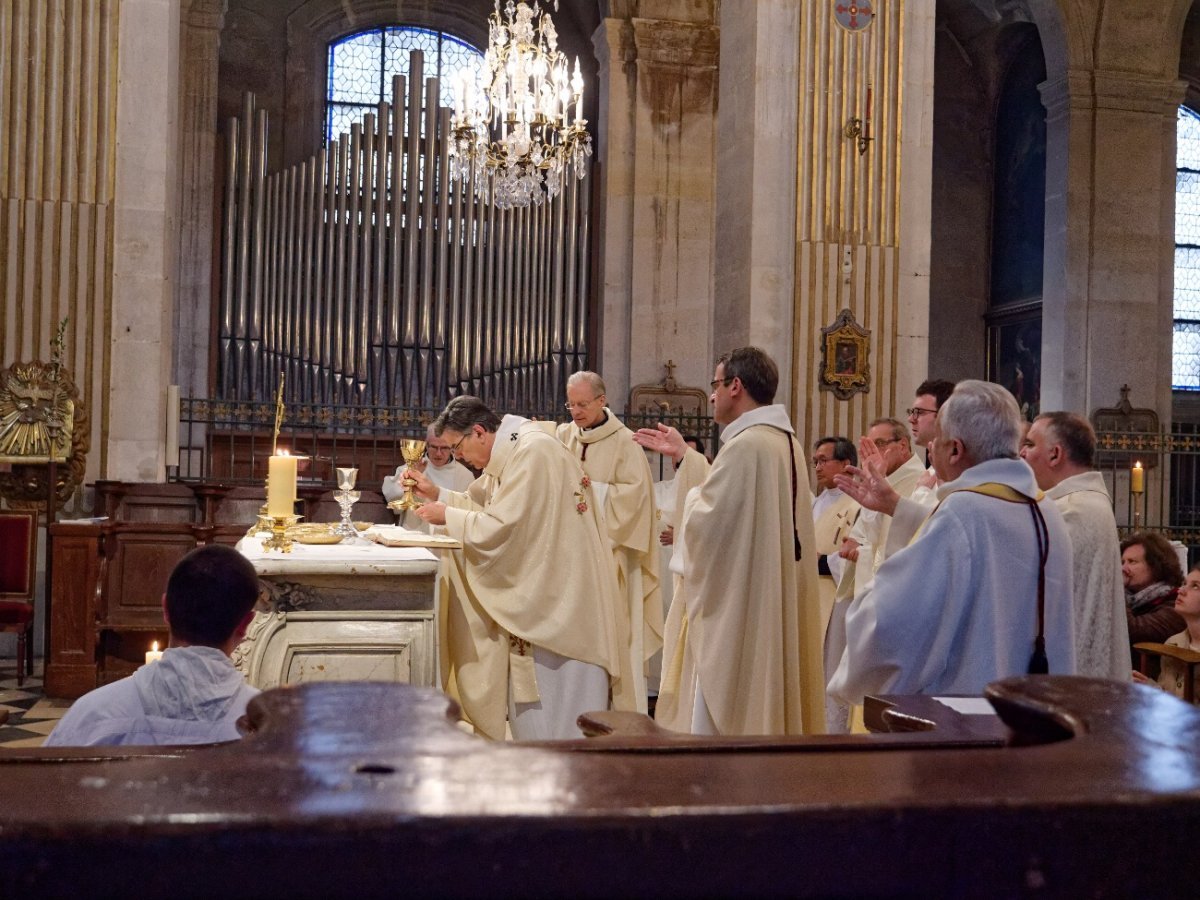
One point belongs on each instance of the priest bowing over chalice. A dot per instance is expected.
(533, 624)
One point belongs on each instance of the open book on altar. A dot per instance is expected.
(396, 536)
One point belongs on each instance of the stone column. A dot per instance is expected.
(1109, 258)
(656, 148)
(197, 228)
(755, 250)
(145, 238)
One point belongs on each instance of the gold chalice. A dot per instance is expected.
(413, 450)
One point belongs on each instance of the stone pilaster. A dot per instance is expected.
(657, 148)
(197, 229)
(755, 250)
(1110, 200)
(145, 237)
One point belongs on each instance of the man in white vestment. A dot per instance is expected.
(1060, 448)
(624, 490)
(742, 649)
(888, 445)
(533, 624)
(439, 467)
(959, 606)
(834, 512)
(192, 694)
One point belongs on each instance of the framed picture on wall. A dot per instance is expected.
(1015, 356)
(845, 357)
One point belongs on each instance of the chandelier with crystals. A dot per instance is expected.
(514, 136)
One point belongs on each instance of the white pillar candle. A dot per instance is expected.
(153, 654)
(281, 485)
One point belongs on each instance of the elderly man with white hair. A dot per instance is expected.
(624, 490)
(984, 590)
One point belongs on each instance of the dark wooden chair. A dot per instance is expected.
(18, 582)
(1189, 659)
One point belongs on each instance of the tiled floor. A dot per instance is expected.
(30, 715)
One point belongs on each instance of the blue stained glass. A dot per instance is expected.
(354, 68)
(1185, 373)
(1187, 283)
(1186, 348)
(1187, 149)
(361, 67)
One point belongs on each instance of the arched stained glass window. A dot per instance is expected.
(361, 67)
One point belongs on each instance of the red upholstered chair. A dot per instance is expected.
(18, 573)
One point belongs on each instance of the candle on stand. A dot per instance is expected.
(281, 485)
(1137, 478)
(153, 654)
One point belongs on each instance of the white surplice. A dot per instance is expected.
(1101, 631)
(958, 607)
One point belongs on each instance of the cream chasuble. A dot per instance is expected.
(744, 629)
(1101, 629)
(624, 492)
(535, 569)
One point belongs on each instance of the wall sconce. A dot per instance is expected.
(856, 129)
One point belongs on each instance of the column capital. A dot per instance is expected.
(206, 14)
(1079, 89)
(613, 43)
(662, 42)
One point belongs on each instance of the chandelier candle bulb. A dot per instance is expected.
(1137, 478)
(281, 484)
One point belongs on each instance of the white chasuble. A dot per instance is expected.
(1101, 629)
(621, 480)
(743, 637)
(535, 571)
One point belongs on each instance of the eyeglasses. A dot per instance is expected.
(712, 385)
(454, 447)
(819, 461)
(581, 404)
(883, 442)
(916, 412)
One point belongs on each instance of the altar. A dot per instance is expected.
(346, 612)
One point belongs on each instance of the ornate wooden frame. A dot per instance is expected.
(845, 357)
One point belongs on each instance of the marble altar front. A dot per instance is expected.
(347, 612)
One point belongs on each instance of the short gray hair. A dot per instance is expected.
(591, 379)
(985, 417)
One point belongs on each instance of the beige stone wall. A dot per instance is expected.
(655, 145)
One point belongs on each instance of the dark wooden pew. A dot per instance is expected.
(369, 790)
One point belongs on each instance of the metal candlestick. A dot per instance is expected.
(279, 539)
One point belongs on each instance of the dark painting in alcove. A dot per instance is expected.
(1019, 195)
(1015, 361)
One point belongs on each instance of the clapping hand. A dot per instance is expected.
(662, 439)
(867, 482)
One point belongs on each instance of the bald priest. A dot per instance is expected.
(624, 490)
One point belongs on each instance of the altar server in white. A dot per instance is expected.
(1060, 448)
(533, 623)
(958, 607)
(624, 490)
(743, 637)
(439, 466)
(192, 694)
